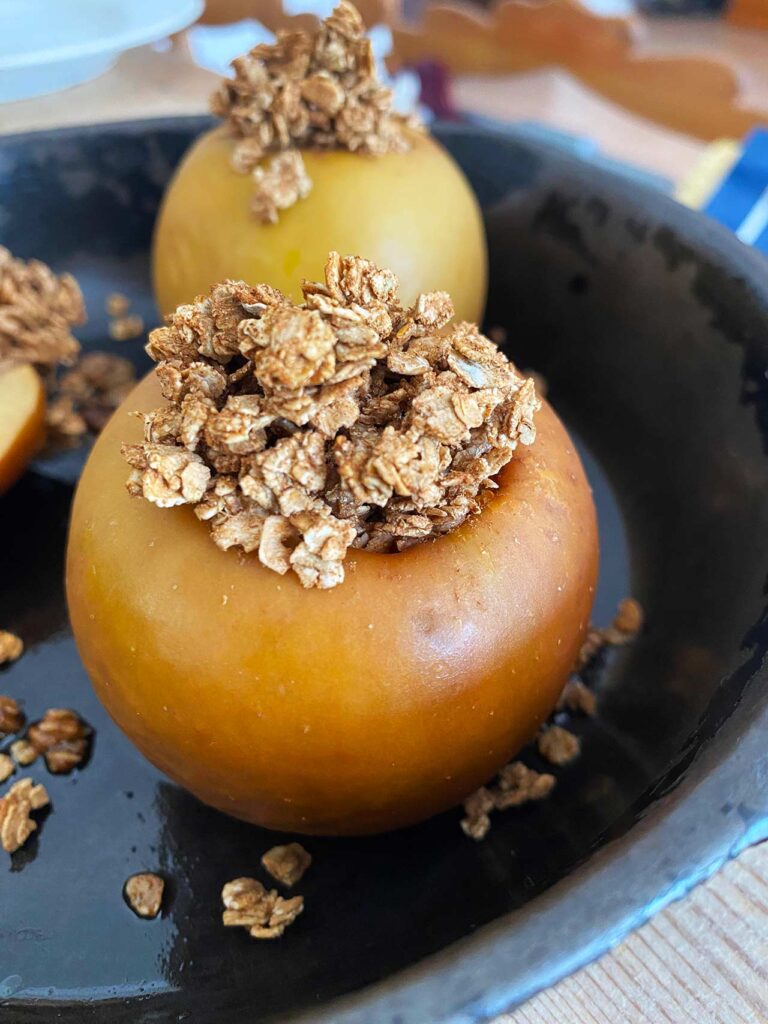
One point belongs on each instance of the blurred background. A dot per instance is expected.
(670, 92)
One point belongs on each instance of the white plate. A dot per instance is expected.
(47, 45)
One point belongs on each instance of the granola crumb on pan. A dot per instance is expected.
(7, 767)
(124, 328)
(308, 90)
(11, 716)
(577, 697)
(298, 431)
(23, 753)
(287, 864)
(516, 785)
(62, 738)
(16, 823)
(144, 893)
(557, 745)
(263, 914)
(11, 647)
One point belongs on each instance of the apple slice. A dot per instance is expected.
(22, 420)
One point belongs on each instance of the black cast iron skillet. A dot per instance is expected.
(651, 326)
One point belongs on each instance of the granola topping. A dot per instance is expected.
(16, 823)
(11, 647)
(62, 738)
(37, 311)
(264, 914)
(347, 421)
(144, 893)
(287, 864)
(308, 90)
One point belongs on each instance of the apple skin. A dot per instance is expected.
(22, 421)
(413, 212)
(350, 711)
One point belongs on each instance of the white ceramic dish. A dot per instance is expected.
(48, 45)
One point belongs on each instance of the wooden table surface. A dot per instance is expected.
(704, 959)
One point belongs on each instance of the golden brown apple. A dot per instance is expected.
(349, 711)
(412, 212)
(22, 420)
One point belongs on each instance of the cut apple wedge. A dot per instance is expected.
(22, 420)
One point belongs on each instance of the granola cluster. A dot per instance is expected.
(37, 311)
(263, 914)
(144, 893)
(16, 807)
(516, 785)
(347, 421)
(63, 739)
(307, 90)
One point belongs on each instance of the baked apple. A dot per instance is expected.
(389, 574)
(311, 158)
(22, 420)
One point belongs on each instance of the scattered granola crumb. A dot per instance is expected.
(123, 328)
(558, 745)
(16, 825)
(86, 396)
(62, 738)
(7, 767)
(298, 431)
(516, 785)
(287, 864)
(308, 90)
(264, 914)
(117, 304)
(477, 810)
(23, 752)
(629, 618)
(577, 697)
(144, 893)
(11, 647)
(37, 310)
(11, 716)
(627, 623)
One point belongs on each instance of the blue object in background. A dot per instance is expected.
(741, 201)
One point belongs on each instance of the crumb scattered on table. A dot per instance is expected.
(144, 893)
(16, 824)
(287, 864)
(263, 913)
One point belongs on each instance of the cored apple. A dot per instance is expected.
(346, 711)
(413, 212)
(22, 420)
